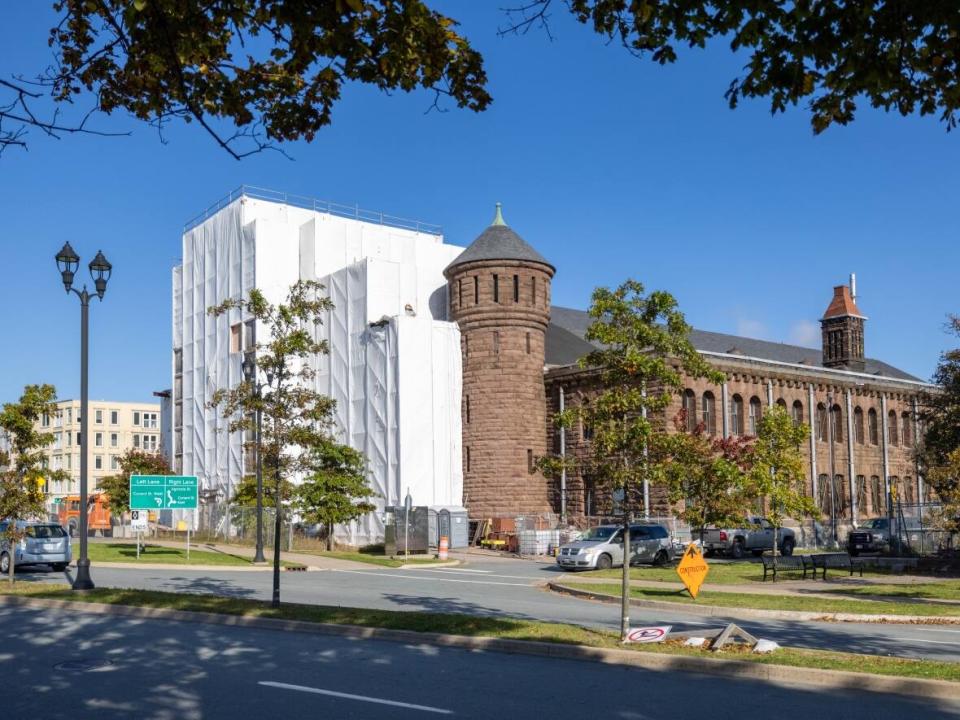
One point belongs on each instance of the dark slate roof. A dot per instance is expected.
(565, 345)
(498, 242)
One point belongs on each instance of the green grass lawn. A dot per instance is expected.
(127, 553)
(775, 602)
(485, 626)
(933, 591)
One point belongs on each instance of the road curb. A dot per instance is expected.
(786, 675)
(751, 613)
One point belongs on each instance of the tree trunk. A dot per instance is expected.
(13, 561)
(278, 507)
(329, 537)
(625, 590)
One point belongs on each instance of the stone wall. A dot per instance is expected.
(502, 324)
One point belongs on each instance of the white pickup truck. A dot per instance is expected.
(755, 537)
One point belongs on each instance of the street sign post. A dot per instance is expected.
(138, 522)
(692, 569)
(164, 492)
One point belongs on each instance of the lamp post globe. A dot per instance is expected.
(67, 262)
(100, 271)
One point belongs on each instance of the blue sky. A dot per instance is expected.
(612, 167)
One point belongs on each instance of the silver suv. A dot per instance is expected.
(602, 548)
(43, 544)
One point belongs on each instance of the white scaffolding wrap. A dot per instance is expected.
(397, 384)
(394, 367)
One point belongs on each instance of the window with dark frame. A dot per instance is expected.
(689, 410)
(873, 427)
(836, 419)
(496, 342)
(468, 458)
(496, 288)
(476, 289)
(892, 428)
(516, 288)
(736, 415)
(533, 290)
(797, 412)
(756, 411)
(467, 409)
(529, 460)
(709, 413)
(858, 425)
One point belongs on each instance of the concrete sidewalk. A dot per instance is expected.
(311, 561)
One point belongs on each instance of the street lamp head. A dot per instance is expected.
(67, 262)
(269, 377)
(100, 270)
(248, 367)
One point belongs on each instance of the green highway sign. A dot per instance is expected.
(163, 492)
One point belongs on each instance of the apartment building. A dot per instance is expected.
(114, 428)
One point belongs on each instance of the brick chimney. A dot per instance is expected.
(842, 330)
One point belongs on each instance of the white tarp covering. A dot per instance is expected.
(394, 363)
(397, 385)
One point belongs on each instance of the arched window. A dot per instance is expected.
(876, 495)
(836, 420)
(689, 410)
(736, 415)
(782, 403)
(873, 427)
(756, 410)
(892, 428)
(709, 413)
(906, 430)
(858, 425)
(822, 432)
(823, 493)
(908, 490)
(797, 412)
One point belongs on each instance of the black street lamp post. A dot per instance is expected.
(250, 374)
(100, 270)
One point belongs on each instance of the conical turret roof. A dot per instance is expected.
(499, 242)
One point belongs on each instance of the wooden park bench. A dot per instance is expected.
(786, 563)
(835, 561)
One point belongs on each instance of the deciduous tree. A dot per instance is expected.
(940, 418)
(23, 470)
(252, 73)
(707, 477)
(777, 469)
(337, 490)
(643, 354)
(296, 419)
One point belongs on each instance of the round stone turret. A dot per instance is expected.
(499, 290)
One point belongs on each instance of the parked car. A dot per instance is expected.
(602, 547)
(43, 544)
(875, 535)
(756, 537)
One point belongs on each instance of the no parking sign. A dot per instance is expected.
(648, 634)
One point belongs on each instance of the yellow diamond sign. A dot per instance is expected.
(693, 569)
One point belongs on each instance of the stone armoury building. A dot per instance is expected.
(448, 363)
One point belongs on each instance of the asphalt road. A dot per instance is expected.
(70, 664)
(509, 587)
